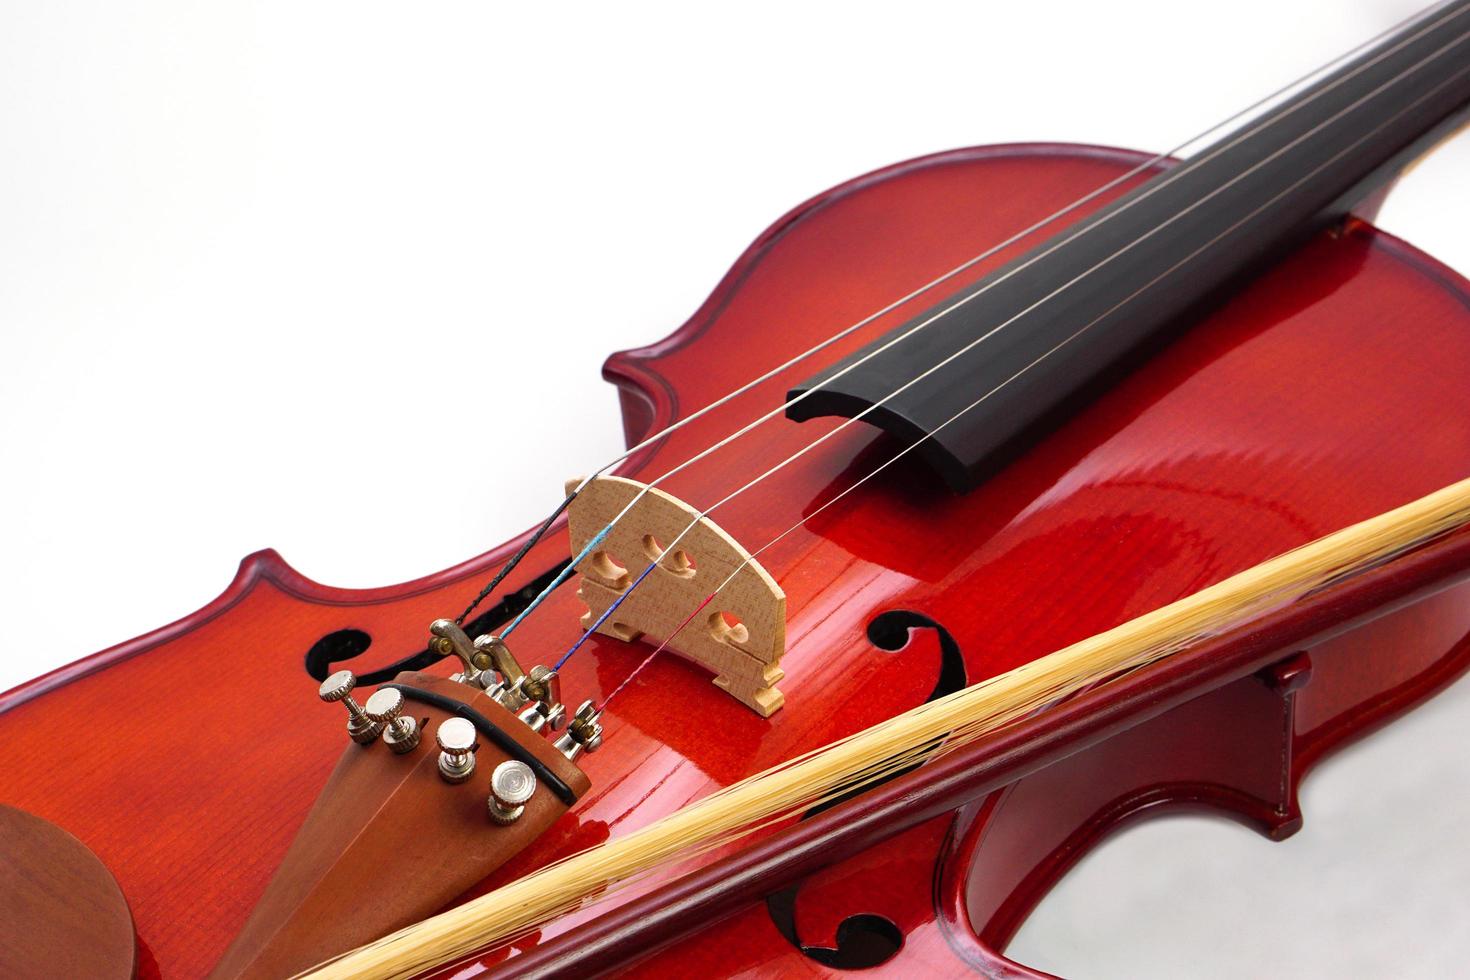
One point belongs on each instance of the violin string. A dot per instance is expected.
(516, 558)
(675, 632)
(871, 318)
(977, 402)
(597, 539)
(811, 446)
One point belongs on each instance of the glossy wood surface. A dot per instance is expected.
(1330, 390)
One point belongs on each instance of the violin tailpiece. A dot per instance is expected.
(395, 835)
(740, 635)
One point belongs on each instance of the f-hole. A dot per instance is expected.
(334, 648)
(892, 630)
(347, 644)
(865, 940)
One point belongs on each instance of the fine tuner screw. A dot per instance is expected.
(456, 738)
(584, 734)
(543, 688)
(338, 687)
(386, 706)
(511, 785)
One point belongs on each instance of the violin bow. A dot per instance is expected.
(920, 734)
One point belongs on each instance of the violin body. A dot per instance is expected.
(1325, 390)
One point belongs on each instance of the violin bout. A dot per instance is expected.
(740, 635)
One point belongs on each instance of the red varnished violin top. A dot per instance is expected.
(1204, 461)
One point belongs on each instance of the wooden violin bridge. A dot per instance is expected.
(740, 635)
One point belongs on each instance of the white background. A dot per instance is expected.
(262, 266)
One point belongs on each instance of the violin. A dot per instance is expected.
(992, 502)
